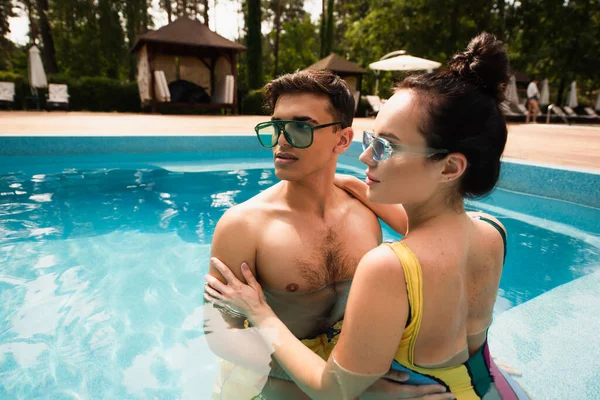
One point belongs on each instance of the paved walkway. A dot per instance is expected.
(569, 145)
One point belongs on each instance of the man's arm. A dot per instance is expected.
(234, 242)
(392, 214)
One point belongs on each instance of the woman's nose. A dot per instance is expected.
(366, 157)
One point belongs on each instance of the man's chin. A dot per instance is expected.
(285, 174)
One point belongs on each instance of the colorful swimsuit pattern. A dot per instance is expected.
(478, 377)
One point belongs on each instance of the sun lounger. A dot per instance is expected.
(579, 117)
(559, 112)
(590, 111)
(58, 96)
(7, 93)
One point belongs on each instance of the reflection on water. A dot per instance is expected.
(94, 202)
(101, 275)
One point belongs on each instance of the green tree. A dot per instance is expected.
(136, 23)
(254, 44)
(47, 37)
(6, 47)
(299, 44)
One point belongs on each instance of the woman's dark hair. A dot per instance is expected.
(462, 112)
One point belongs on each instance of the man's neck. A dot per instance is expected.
(313, 195)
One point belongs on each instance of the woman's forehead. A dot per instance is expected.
(399, 115)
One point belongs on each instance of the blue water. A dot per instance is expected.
(101, 271)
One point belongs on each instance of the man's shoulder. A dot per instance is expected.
(252, 210)
(356, 206)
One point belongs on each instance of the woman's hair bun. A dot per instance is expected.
(484, 63)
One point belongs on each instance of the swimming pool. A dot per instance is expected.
(102, 258)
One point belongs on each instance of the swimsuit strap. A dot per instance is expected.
(498, 228)
(414, 287)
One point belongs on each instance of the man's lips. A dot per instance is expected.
(286, 156)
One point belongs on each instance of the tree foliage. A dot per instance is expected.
(554, 39)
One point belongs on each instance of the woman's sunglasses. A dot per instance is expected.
(381, 149)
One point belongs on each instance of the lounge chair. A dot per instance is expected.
(508, 111)
(559, 112)
(578, 117)
(590, 111)
(7, 94)
(375, 103)
(58, 96)
(161, 88)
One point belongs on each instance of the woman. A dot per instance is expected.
(421, 305)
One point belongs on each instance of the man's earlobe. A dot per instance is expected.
(346, 137)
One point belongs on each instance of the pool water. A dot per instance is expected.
(101, 272)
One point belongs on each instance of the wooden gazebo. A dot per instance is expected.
(352, 73)
(187, 49)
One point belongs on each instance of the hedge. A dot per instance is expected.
(87, 93)
(253, 103)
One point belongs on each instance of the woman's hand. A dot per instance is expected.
(348, 183)
(247, 299)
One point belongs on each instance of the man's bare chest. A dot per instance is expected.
(307, 257)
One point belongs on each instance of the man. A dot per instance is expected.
(533, 98)
(303, 237)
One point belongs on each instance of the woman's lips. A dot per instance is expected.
(370, 180)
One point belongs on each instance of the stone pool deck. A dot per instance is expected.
(567, 145)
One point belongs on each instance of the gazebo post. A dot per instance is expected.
(213, 64)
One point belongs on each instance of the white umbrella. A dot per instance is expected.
(572, 98)
(511, 91)
(598, 103)
(403, 62)
(37, 76)
(545, 93)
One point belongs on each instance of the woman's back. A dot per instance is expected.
(452, 267)
(461, 258)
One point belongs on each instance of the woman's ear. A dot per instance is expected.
(345, 137)
(454, 166)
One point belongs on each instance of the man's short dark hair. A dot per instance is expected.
(318, 82)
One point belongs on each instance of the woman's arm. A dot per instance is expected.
(392, 214)
(376, 314)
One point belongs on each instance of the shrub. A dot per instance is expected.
(253, 103)
(88, 93)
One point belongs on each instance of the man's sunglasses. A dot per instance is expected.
(381, 149)
(298, 134)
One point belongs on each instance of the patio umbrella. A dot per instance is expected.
(545, 93)
(402, 62)
(36, 73)
(572, 98)
(511, 91)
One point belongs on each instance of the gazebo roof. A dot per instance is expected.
(335, 63)
(188, 32)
